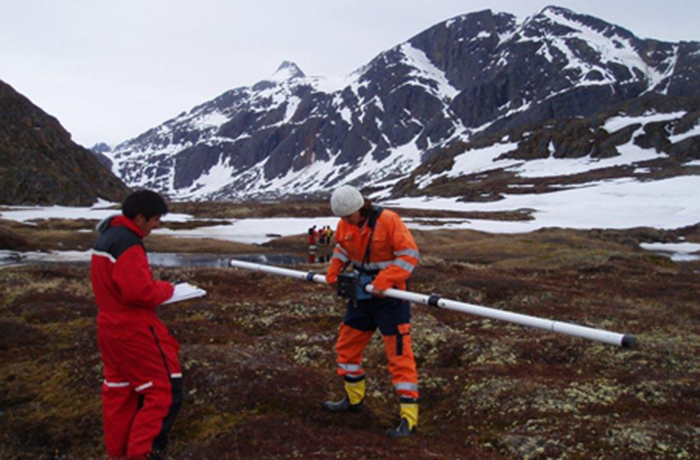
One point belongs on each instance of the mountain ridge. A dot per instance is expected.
(472, 76)
(41, 165)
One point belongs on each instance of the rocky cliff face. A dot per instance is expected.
(39, 164)
(478, 76)
(648, 138)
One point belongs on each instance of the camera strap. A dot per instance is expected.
(372, 222)
(351, 286)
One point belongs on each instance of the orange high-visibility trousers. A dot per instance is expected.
(392, 317)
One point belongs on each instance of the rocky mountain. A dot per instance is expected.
(100, 149)
(41, 165)
(649, 138)
(551, 85)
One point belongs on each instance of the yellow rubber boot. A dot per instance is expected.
(409, 420)
(409, 411)
(352, 401)
(355, 391)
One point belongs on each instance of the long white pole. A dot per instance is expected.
(599, 335)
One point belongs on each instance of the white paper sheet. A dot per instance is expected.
(185, 291)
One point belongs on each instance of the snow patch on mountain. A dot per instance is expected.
(482, 160)
(211, 181)
(493, 157)
(557, 167)
(615, 124)
(610, 48)
(402, 160)
(332, 85)
(687, 135)
(209, 120)
(426, 73)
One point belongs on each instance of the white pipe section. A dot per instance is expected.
(599, 335)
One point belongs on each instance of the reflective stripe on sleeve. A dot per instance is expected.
(408, 252)
(175, 376)
(342, 257)
(405, 265)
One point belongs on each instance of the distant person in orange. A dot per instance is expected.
(378, 245)
(142, 388)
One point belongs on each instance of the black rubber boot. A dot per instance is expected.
(342, 406)
(401, 431)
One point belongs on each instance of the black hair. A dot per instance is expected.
(145, 202)
(366, 209)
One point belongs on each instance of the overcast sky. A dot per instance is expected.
(110, 70)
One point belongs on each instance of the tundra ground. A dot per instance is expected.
(258, 355)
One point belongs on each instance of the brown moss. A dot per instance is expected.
(258, 359)
(17, 334)
(11, 240)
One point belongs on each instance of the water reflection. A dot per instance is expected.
(157, 259)
(165, 259)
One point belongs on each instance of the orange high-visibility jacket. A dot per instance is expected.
(393, 251)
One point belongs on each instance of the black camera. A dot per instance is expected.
(352, 286)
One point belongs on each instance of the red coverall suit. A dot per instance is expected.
(142, 388)
(394, 255)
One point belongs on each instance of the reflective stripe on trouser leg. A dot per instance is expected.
(119, 406)
(119, 401)
(349, 347)
(148, 423)
(402, 364)
(158, 360)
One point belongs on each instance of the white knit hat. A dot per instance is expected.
(346, 200)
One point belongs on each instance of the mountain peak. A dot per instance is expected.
(465, 83)
(286, 71)
(557, 10)
(556, 14)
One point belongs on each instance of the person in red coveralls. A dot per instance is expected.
(142, 388)
(379, 247)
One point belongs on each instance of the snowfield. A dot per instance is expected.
(616, 204)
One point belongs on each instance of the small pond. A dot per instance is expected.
(157, 259)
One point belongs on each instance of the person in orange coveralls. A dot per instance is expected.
(388, 261)
(142, 388)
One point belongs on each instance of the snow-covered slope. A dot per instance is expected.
(463, 84)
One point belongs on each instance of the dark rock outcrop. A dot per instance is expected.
(41, 165)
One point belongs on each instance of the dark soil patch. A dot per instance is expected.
(52, 307)
(16, 334)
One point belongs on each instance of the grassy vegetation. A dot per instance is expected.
(258, 357)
